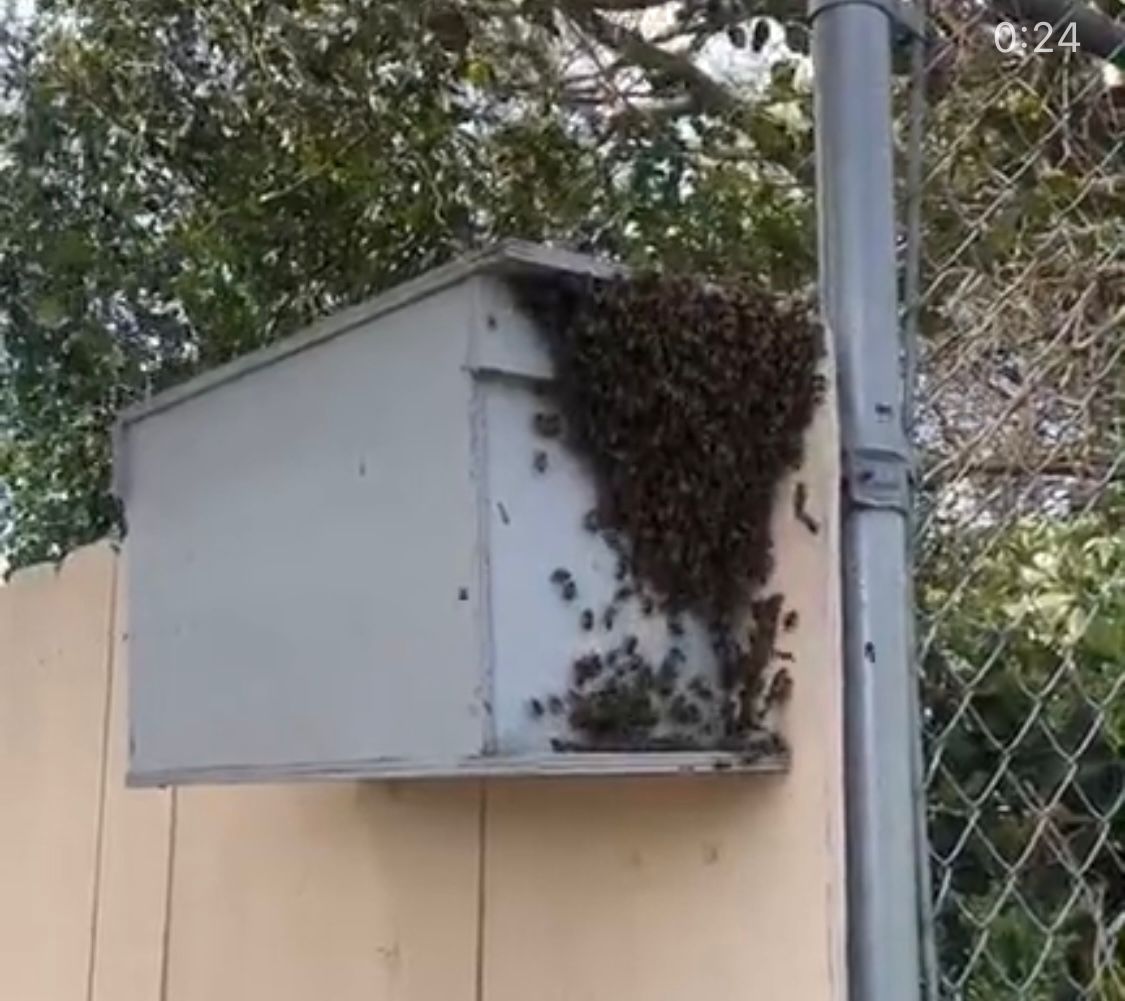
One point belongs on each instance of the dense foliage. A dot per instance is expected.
(1026, 714)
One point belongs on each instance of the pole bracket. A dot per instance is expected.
(878, 478)
(902, 13)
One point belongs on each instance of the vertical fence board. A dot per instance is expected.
(54, 631)
(132, 898)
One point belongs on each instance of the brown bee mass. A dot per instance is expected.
(690, 402)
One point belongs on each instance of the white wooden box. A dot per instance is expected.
(338, 551)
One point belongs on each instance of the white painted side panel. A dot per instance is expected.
(302, 558)
(535, 526)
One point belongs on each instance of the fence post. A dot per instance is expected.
(851, 49)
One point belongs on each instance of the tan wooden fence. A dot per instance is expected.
(553, 890)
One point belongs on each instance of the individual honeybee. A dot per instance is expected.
(548, 425)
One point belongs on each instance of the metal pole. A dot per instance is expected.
(851, 50)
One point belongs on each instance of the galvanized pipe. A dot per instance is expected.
(851, 49)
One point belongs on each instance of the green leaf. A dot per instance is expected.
(50, 312)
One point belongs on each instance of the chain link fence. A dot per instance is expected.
(1019, 315)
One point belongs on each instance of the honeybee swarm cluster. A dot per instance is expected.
(690, 401)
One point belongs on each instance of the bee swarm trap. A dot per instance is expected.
(515, 517)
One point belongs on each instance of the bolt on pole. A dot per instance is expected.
(855, 196)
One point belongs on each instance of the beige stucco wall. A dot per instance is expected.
(560, 890)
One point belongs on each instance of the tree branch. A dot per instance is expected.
(652, 112)
(628, 4)
(707, 94)
(1100, 470)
